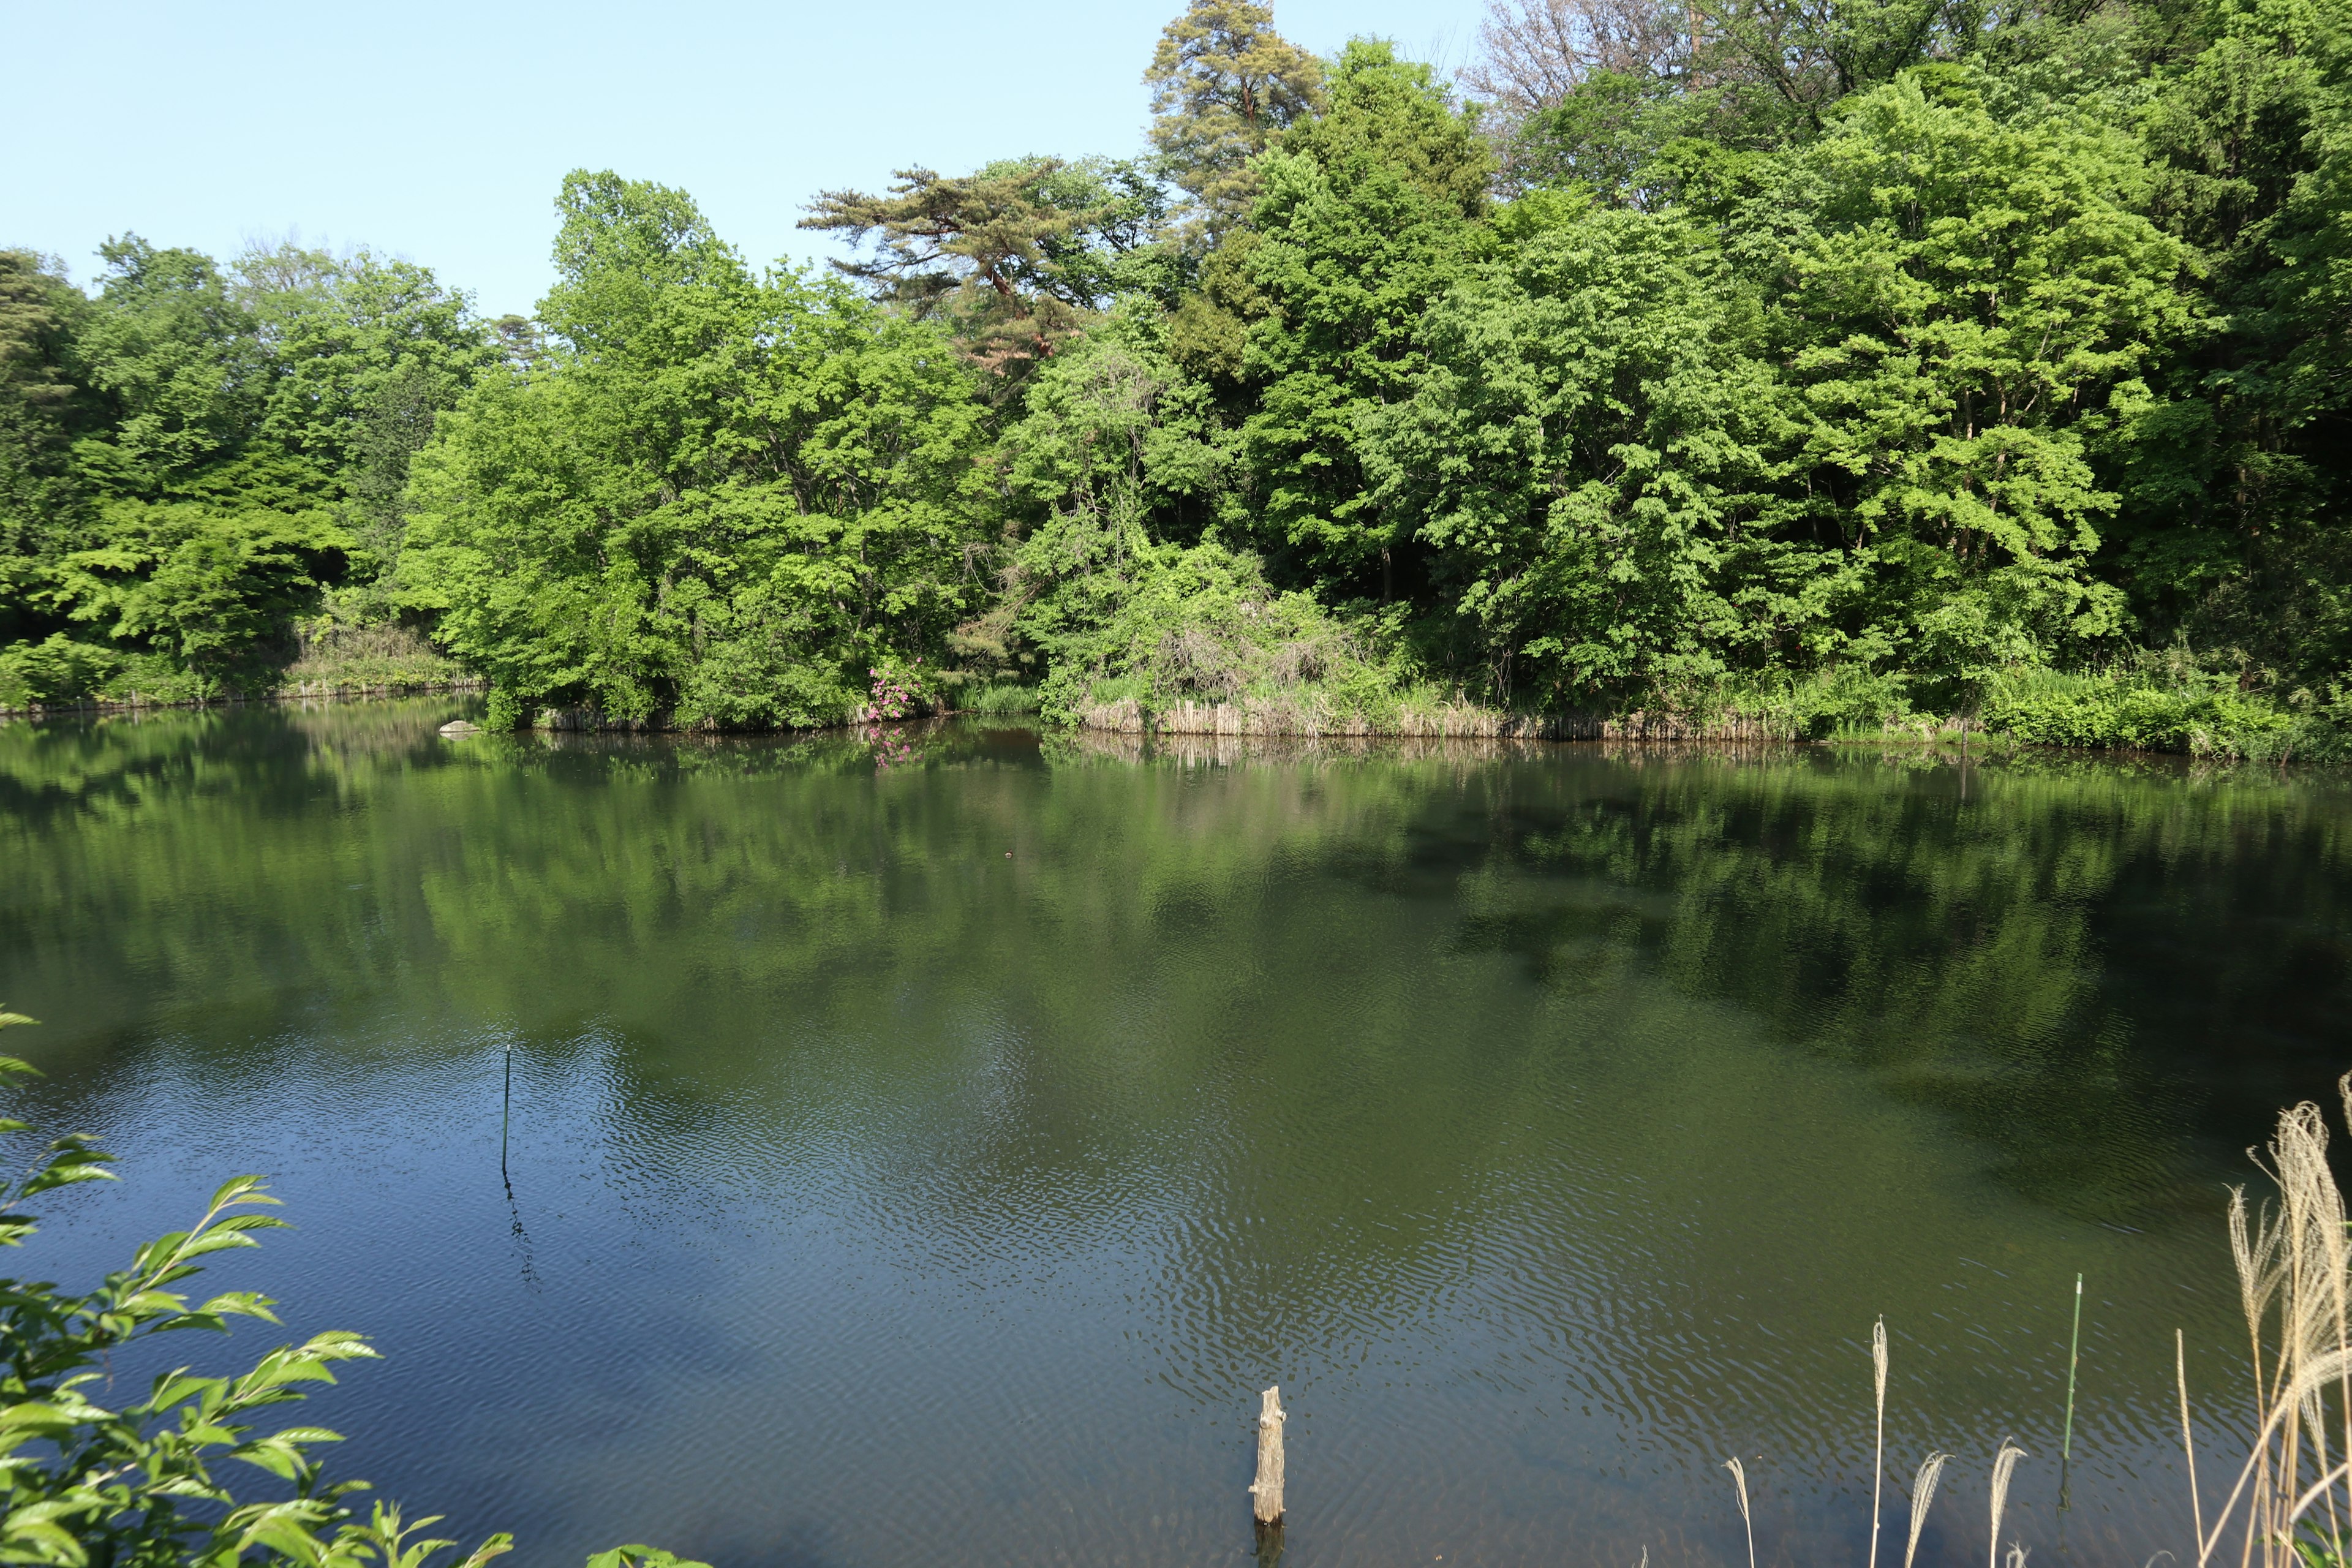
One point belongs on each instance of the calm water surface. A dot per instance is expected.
(924, 1149)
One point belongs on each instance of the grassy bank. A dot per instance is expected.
(322, 659)
(2124, 710)
(1284, 667)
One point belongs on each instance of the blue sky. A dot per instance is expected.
(438, 130)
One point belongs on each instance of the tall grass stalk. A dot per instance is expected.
(2295, 1266)
(1878, 1461)
(1739, 1480)
(1923, 1492)
(2294, 1262)
(2004, 1465)
(999, 699)
(2074, 1354)
(2187, 1443)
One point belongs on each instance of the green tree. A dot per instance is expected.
(1223, 85)
(728, 499)
(207, 584)
(1608, 135)
(1367, 215)
(2236, 468)
(43, 410)
(370, 323)
(1599, 460)
(1015, 257)
(201, 537)
(1968, 307)
(1114, 446)
(177, 361)
(1802, 57)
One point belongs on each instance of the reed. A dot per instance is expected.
(2292, 1500)
(2293, 1258)
(2188, 1443)
(1739, 1480)
(2004, 1465)
(1923, 1484)
(1923, 1492)
(2073, 1355)
(1878, 1461)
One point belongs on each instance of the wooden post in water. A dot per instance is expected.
(1266, 1492)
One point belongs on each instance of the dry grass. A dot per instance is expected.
(2291, 1504)
(2293, 1258)
(1923, 1492)
(1923, 1485)
(1878, 1463)
(1739, 1480)
(367, 660)
(2004, 1465)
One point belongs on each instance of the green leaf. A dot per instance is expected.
(242, 1304)
(641, 1556)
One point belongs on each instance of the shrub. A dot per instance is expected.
(1000, 700)
(2204, 715)
(56, 669)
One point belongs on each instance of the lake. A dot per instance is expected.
(924, 1145)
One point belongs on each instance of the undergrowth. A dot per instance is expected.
(998, 700)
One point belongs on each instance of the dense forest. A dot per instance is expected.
(1845, 362)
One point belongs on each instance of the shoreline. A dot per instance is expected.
(1277, 720)
(299, 692)
(1196, 724)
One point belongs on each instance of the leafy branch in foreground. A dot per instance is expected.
(86, 1486)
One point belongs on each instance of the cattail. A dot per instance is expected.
(1923, 1490)
(1739, 1480)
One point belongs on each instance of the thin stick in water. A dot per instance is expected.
(2074, 1349)
(506, 1112)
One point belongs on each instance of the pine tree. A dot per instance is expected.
(1224, 82)
(1003, 253)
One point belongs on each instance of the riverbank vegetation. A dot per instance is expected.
(1823, 370)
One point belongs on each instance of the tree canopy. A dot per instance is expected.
(1873, 355)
